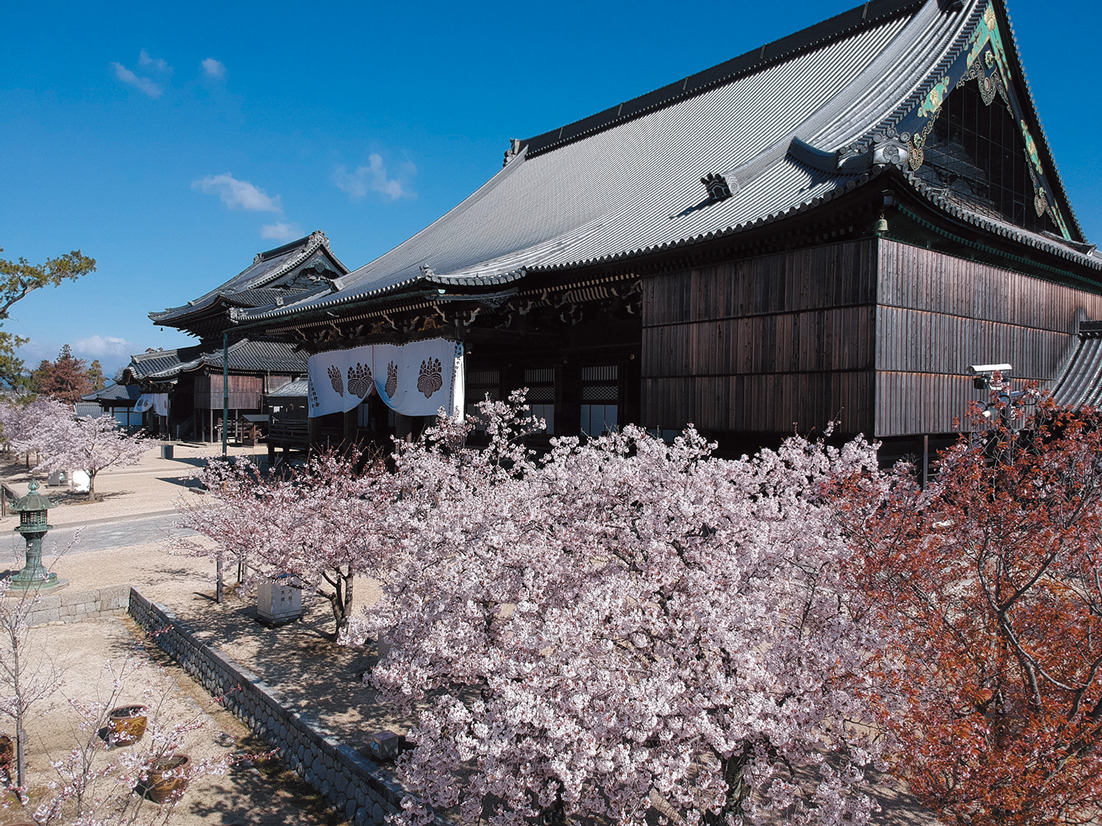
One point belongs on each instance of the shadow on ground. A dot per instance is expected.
(309, 671)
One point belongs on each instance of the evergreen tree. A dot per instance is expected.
(17, 280)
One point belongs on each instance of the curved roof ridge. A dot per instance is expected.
(294, 254)
(311, 243)
(1037, 117)
(1061, 248)
(358, 274)
(778, 51)
(952, 41)
(781, 135)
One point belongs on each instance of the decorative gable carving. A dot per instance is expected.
(988, 159)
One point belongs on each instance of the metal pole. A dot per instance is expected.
(225, 389)
(225, 436)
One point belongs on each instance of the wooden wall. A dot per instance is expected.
(938, 315)
(875, 334)
(245, 392)
(764, 344)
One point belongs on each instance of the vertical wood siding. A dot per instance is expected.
(937, 315)
(765, 344)
(875, 334)
(245, 392)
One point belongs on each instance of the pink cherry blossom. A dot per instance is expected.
(623, 626)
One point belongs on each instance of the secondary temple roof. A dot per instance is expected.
(245, 356)
(779, 130)
(298, 270)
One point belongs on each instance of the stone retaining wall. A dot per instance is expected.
(73, 606)
(355, 785)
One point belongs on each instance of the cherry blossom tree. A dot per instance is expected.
(23, 681)
(68, 442)
(97, 780)
(325, 523)
(990, 582)
(624, 627)
(21, 425)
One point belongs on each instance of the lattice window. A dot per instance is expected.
(541, 394)
(600, 399)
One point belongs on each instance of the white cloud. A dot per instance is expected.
(373, 178)
(101, 347)
(238, 194)
(142, 84)
(281, 232)
(213, 69)
(155, 63)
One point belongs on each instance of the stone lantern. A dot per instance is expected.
(32, 524)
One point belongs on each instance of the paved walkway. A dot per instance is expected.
(118, 533)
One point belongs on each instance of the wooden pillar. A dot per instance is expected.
(925, 460)
(568, 398)
(631, 382)
(348, 432)
(403, 427)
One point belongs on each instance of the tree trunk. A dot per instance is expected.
(341, 598)
(737, 790)
(20, 759)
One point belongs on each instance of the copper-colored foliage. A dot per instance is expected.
(989, 582)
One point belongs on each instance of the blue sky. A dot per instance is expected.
(174, 142)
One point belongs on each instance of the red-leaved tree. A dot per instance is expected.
(990, 582)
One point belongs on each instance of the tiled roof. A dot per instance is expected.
(122, 393)
(1080, 383)
(296, 389)
(245, 356)
(247, 288)
(788, 126)
(145, 365)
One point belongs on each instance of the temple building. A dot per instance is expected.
(832, 227)
(184, 391)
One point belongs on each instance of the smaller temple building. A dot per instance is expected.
(184, 391)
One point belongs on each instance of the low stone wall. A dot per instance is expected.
(73, 606)
(355, 785)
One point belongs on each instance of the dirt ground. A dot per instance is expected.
(87, 655)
